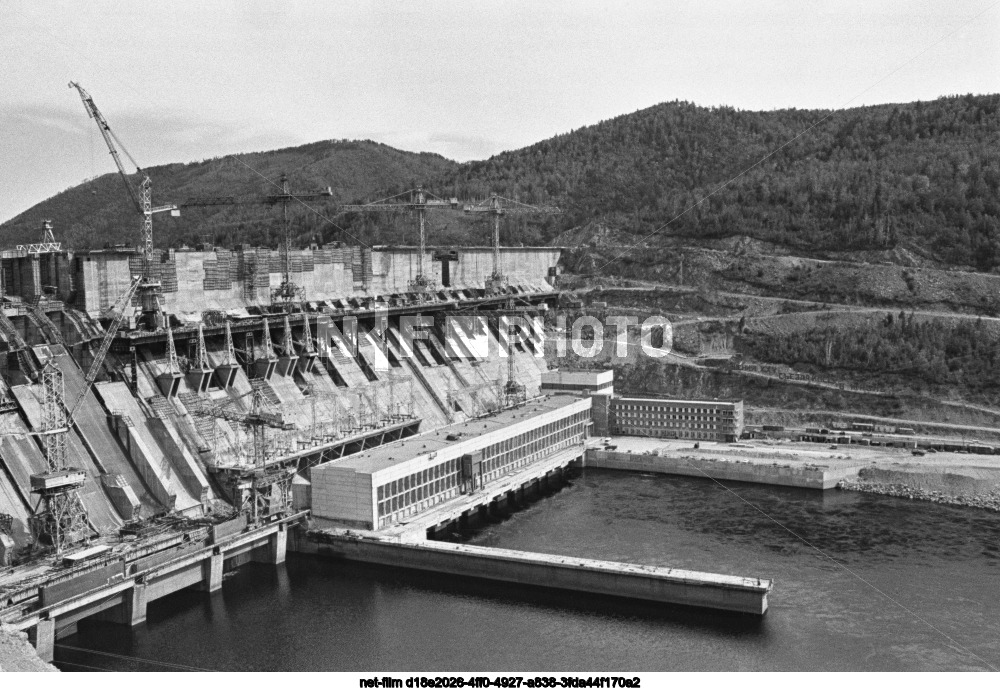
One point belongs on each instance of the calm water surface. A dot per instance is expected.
(901, 585)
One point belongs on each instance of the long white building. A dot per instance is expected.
(380, 487)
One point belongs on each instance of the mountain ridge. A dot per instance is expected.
(917, 179)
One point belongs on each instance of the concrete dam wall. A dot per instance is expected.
(219, 279)
(150, 450)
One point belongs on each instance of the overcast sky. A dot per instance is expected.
(182, 81)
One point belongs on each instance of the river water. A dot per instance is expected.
(862, 582)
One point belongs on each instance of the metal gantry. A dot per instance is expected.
(47, 244)
(59, 517)
(514, 392)
(497, 207)
(258, 489)
(201, 352)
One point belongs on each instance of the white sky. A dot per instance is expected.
(182, 81)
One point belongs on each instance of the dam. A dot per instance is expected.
(225, 425)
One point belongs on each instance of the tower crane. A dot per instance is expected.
(497, 206)
(287, 292)
(59, 517)
(142, 199)
(417, 200)
(262, 489)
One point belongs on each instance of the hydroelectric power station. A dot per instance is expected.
(167, 415)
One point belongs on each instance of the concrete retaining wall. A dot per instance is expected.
(641, 582)
(817, 478)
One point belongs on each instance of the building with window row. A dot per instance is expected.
(382, 486)
(720, 421)
(648, 416)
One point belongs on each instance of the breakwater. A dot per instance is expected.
(937, 486)
(751, 470)
(604, 577)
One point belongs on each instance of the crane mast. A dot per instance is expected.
(142, 199)
(497, 207)
(287, 293)
(59, 518)
(420, 201)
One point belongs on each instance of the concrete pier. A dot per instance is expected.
(119, 591)
(640, 582)
(822, 475)
(131, 611)
(225, 375)
(211, 569)
(43, 637)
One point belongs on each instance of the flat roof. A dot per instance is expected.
(578, 376)
(387, 456)
(685, 402)
(489, 248)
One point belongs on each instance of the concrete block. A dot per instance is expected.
(43, 637)
(211, 570)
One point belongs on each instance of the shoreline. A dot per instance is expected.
(987, 501)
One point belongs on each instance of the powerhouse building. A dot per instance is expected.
(385, 485)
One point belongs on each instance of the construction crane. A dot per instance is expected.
(497, 207)
(417, 200)
(47, 244)
(260, 490)
(142, 199)
(117, 313)
(59, 517)
(287, 292)
(514, 393)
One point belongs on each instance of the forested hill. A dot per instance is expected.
(924, 177)
(99, 211)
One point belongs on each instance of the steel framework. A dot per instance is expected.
(287, 292)
(417, 200)
(141, 199)
(497, 207)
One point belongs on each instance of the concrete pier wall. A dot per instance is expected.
(814, 477)
(641, 582)
(121, 592)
